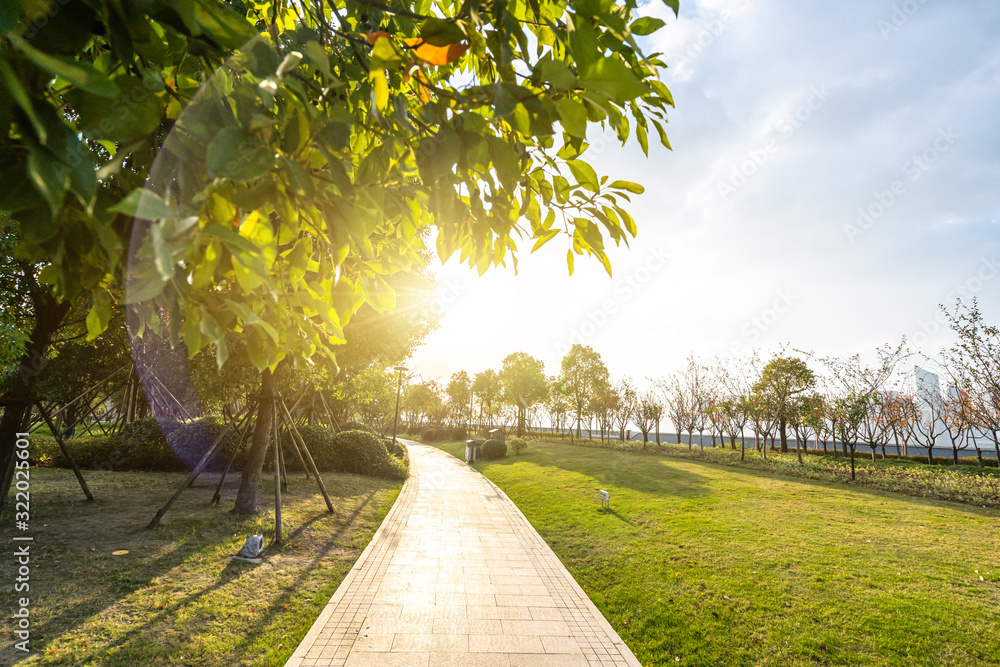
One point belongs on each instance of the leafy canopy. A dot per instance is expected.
(281, 159)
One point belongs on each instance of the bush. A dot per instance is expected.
(190, 441)
(353, 426)
(459, 433)
(361, 452)
(319, 441)
(518, 445)
(493, 449)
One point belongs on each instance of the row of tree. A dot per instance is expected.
(846, 402)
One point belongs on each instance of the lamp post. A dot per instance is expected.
(399, 386)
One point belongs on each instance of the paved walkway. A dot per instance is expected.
(456, 575)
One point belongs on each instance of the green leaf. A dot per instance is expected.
(80, 74)
(646, 25)
(556, 73)
(584, 174)
(20, 96)
(225, 27)
(136, 112)
(611, 77)
(144, 288)
(674, 5)
(573, 116)
(49, 178)
(627, 185)
(162, 255)
(145, 204)
(569, 261)
(100, 313)
(438, 32)
(238, 155)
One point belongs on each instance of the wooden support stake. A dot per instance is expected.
(277, 482)
(65, 451)
(281, 451)
(190, 478)
(329, 415)
(229, 464)
(312, 464)
(298, 452)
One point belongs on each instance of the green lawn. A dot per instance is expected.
(717, 565)
(176, 597)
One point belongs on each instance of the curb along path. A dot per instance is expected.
(456, 575)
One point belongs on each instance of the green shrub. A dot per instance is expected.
(429, 434)
(518, 445)
(493, 449)
(190, 441)
(319, 441)
(360, 452)
(458, 433)
(354, 426)
(393, 468)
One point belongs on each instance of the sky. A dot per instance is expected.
(835, 176)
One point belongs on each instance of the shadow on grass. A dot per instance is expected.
(233, 570)
(624, 470)
(667, 473)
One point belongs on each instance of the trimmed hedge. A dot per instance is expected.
(144, 447)
(354, 426)
(493, 449)
(518, 445)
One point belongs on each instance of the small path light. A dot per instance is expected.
(605, 500)
(470, 451)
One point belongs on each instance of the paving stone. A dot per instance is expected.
(456, 575)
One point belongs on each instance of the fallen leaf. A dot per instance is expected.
(120, 552)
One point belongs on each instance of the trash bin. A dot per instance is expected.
(470, 451)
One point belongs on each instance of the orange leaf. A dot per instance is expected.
(436, 55)
(375, 36)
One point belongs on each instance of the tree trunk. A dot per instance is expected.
(49, 314)
(784, 436)
(246, 497)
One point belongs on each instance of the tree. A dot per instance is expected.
(646, 416)
(488, 392)
(557, 404)
(583, 373)
(301, 157)
(523, 379)
(625, 404)
(806, 417)
(460, 398)
(423, 402)
(975, 358)
(782, 379)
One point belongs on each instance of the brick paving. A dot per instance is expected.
(456, 575)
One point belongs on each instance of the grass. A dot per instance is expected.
(702, 564)
(965, 483)
(176, 597)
